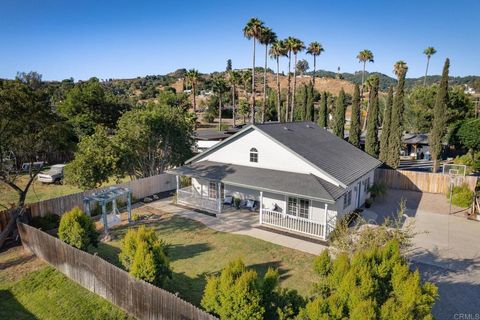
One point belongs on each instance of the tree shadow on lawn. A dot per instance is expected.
(10, 308)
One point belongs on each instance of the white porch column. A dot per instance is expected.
(325, 221)
(178, 184)
(261, 207)
(219, 196)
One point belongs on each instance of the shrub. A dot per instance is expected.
(144, 255)
(378, 190)
(238, 293)
(77, 229)
(466, 159)
(47, 222)
(462, 196)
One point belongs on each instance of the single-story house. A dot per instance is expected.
(301, 177)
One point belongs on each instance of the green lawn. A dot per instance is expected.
(197, 251)
(38, 191)
(31, 290)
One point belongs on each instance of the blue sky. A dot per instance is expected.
(124, 39)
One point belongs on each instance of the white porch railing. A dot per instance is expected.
(297, 224)
(187, 196)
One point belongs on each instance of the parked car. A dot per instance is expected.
(54, 175)
(35, 165)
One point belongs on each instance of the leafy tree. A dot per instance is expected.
(418, 109)
(152, 138)
(355, 130)
(219, 87)
(278, 50)
(339, 115)
(77, 229)
(96, 160)
(229, 65)
(364, 56)
(310, 102)
(87, 104)
(253, 30)
(371, 140)
(315, 49)
(396, 128)
(234, 79)
(244, 110)
(429, 52)
(469, 136)
(375, 283)
(323, 111)
(267, 37)
(238, 293)
(302, 66)
(144, 255)
(384, 138)
(439, 118)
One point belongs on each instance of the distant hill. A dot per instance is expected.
(386, 81)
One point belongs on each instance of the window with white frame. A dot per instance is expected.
(253, 155)
(212, 190)
(366, 184)
(298, 207)
(347, 199)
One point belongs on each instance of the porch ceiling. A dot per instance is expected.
(304, 185)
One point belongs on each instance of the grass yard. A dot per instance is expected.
(197, 251)
(38, 191)
(29, 289)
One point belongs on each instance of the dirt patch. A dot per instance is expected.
(16, 263)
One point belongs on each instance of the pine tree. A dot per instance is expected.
(371, 140)
(355, 131)
(310, 98)
(339, 117)
(439, 117)
(396, 129)
(323, 111)
(386, 126)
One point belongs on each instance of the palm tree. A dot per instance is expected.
(246, 79)
(234, 79)
(289, 43)
(315, 49)
(364, 56)
(278, 50)
(266, 38)
(219, 86)
(296, 48)
(252, 30)
(399, 66)
(192, 77)
(429, 51)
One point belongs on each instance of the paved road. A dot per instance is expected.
(416, 165)
(446, 250)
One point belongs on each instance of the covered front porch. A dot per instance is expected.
(281, 200)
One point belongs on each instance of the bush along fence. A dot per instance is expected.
(141, 188)
(138, 298)
(421, 181)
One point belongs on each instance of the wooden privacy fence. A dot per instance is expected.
(140, 188)
(420, 181)
(135, 296)
(5, 217)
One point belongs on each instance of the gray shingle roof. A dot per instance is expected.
(329, 153)
(306, 185)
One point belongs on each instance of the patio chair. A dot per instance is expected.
(228, 201)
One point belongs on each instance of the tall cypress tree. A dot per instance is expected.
(371, 140)
(323, 111)
(310, 107)
(396, 128)
(387, 115)
(355, 130)
(339, 115)
(304, 102)
(439, 117)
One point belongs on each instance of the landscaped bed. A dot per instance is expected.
(29, 289)
(197, 251)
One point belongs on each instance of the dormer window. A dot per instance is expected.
(253, 155)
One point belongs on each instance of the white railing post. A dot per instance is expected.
(261, 207)
(325, 221)
(178, 185)
(219, 196)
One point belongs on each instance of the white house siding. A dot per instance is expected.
(271, 155)
(355, 190)
(269, 199)
(201, 186)
(242, 193)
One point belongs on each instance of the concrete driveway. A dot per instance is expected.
(446, 249)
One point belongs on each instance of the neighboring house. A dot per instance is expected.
(205, 139)
(301, 177)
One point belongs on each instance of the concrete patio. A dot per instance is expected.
(239, 222)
